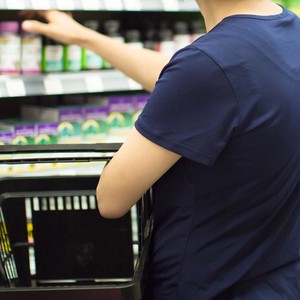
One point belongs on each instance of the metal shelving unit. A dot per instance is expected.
(66, 83)
(115, 5)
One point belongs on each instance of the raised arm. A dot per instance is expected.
(142, 65)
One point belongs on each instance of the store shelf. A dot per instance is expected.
(30, 154)
(105, 5)
(66, 83)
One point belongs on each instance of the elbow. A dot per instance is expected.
(107, 207)
(109, 213)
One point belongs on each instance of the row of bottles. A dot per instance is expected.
(26, 53)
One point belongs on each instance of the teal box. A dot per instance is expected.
(6, 136)
(24, 132)
(69, 119)
(94, 127)
(120, 117)
(46, 133)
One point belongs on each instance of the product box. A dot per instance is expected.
(97, 99)
(46, 133)
(120, 117)
(139, 104)
(23, 131)
(6, 135)
(74, 100)
(94, 126)
(69, 120)
(30, 112)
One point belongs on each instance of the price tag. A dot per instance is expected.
(15, 4)
(94, 83)
(40, 5)
(90, 5)
(171, 5)
(53, 86)
(113, 4)
(2, 4)
(133, 85)
(65, 4)
(15, 88)
(133, 5)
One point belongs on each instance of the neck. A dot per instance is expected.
(214, 11)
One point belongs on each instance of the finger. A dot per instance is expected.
(35, 27)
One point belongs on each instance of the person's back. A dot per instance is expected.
(232, 214)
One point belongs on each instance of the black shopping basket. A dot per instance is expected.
(53, 242)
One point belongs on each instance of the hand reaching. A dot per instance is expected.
(59, 26)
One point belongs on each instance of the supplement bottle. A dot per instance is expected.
(182, 36)
(150, 39)
(72, 58)
(90, 59)
(133, 38)
(166, 44)
(31, 53)
(198, 29)
(112, 29)
(10, 48)
(52, 56)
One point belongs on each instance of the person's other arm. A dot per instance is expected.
(132, 171)
(142, 65)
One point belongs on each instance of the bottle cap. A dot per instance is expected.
(133, 35)
(92, 24)
(181, 27)
(9, 27)
(166, 35)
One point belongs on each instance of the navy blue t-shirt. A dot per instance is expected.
(227, 214)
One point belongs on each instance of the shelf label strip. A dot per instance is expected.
(15, 4)
(91, 4)
(171, 5)
(65, 4)
(133, 5)
(53, 86)
(15, 88)
(93, 83)
(41, 5)
(133, 85)
(113, 4)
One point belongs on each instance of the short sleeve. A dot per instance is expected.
(192, 110)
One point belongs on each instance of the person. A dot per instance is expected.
(218, 142)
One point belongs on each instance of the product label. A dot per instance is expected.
(26, 130)
(70, 114)
(53, 58)
(10, 53)
(6, 137)
(31, 55)
(91, 60)
(73, 55)
(47, 128)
